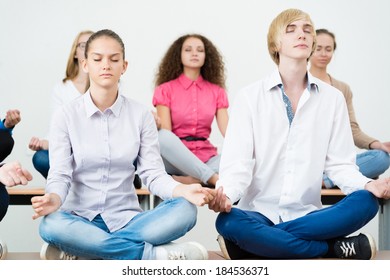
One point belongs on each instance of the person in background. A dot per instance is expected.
(189, 95)
(376, 160)
(89, 186)
(75, 84)
(283, 131)
(11, 174)
(11, 119)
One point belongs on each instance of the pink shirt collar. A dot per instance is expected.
(187, 82)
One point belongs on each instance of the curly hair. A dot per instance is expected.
(171, 66)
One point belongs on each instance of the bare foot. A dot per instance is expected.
(186, 179)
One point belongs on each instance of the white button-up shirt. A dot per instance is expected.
(276, 169)
(92, 155)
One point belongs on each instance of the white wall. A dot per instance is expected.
(37, 37)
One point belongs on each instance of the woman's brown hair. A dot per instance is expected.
(171, 67)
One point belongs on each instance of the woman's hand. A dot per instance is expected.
(45, 204)
(37, 144)
(194, 193)
(385, 146)
(380, 187)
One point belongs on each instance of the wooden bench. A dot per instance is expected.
(331, 196)
(22, 196)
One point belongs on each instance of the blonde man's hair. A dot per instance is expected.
(278, 27)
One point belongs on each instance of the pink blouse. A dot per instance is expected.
(193, 105)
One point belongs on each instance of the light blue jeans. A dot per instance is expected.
(371, 163)
(302, 238)
(179, 160)
(78, 236)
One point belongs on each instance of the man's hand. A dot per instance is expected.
(220, 203)
(12, 118)
(12, 174)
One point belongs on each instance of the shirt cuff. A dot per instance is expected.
(2, 127)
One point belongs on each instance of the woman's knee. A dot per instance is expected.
(383, 160)
(164, 135)
(41, 163)
(166, 139)
(47, 227)
(41, 158)
(52, 227)
(186, 208)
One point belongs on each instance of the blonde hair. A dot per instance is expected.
(72, 67)
(278, 27)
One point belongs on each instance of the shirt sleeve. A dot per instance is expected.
(222, 99)
(162, 96)
(60, 157)
(2, 127)
(237, 160)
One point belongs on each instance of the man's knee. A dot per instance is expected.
(7, 144)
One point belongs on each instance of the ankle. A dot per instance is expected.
(331, 253)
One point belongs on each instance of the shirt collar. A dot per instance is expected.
(276, 81)
(91, 108)
(186, 82)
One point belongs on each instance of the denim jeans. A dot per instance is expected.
(371, 163)
(304, 237)
(4, 201)
(42, 165)
(179, 160)
(7, 144)
(41, 162)
(78, 236)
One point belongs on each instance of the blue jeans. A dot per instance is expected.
(179, 160)
(304, 237)
(41, 162)
(4, 201)
(7, 144)
(371, 163)
(78, 236)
